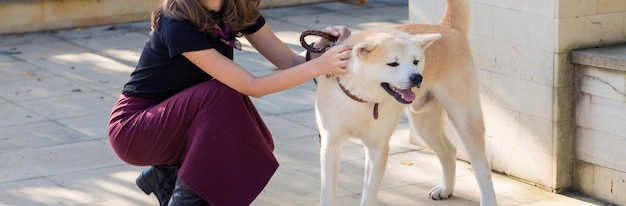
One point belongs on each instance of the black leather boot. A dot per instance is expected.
(160, 180)
(183, 196)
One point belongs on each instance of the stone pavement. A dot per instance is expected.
(57, 88)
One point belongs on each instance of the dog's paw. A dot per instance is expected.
(440, 192)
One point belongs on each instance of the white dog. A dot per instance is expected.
(366, 103)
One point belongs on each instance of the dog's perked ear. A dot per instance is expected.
(363, 48)
(425, 40)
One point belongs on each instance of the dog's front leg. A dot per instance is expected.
(375, 164)
(330, 161)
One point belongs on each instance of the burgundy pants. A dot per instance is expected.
(214, 131)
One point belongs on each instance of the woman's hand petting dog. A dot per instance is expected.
(334, 61)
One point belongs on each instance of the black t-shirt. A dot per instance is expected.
(163, 71)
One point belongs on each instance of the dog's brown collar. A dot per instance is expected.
(355, 98)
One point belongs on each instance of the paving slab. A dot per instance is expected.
(36, 135)
(12, 114)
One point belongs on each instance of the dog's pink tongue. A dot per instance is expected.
(407, 94)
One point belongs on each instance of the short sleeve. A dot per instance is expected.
(182, 36)
(255, 27)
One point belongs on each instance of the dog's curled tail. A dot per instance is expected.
(458, 15)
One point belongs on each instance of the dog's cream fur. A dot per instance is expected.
(379, 57)
(450, 86)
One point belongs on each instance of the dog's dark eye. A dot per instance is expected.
(415, 62)
(394, 64)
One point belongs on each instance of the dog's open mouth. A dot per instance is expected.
(404, 96)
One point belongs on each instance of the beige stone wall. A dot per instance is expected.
(599, 143)
(521, 50)
(589, 23)
(18, 16)
(50, 15)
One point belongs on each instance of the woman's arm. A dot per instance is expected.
(273, 49)
(333, 61)
(266, 43)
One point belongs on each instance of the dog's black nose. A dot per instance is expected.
(416, 80)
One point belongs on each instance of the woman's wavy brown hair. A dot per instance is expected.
(238, 14)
